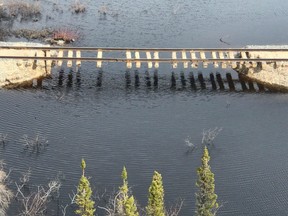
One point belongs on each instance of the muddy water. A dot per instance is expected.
(144, 128)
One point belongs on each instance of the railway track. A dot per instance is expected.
(151, 57)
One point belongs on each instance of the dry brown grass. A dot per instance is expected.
(66, 35)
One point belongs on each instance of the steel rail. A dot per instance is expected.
(107, 49)
(148, 60)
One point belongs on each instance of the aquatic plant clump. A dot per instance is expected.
(78, 7)
(34, 144)
(209, 135)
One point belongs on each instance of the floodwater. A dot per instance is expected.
(144, 128)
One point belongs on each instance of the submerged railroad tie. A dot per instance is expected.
(152, 57)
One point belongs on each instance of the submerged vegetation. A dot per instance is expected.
(123, 203)
(35, 199)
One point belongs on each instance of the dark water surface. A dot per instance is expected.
(144, 128)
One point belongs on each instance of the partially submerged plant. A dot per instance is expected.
(189, 144)
(78, 7)
(103, 10)
(34, 144)
(210, 134)
(3, 139)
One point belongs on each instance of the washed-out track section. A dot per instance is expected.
(151, 57)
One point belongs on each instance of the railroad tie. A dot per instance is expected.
(214, 56)
(78, 55)
(128, 57)
(203, 57)
(174, 57)
(156, 56)
(150, 64)
(99, 56)
(221, 56)
(193, 57)
(137, 56)
(60, 55)
(70, 55)
(231, 56)
(184, 56)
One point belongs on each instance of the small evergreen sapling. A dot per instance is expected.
(206, 199)
(125, 204)
(130, 207)
(155, 205)
(84, 193)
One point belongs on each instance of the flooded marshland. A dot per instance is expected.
(144, 127)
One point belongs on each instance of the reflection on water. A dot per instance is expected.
(141, 118)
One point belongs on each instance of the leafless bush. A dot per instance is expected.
(78, 7)
(36, 144)
(35, 203)
(25, 178)
(5, 194)
(111, 205)
(175, 210)
(26, 10)
(72, 201)
(209, 135)
(189, 144)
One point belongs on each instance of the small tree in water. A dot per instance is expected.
(156, 197)
(84, 193)
(206, 199)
